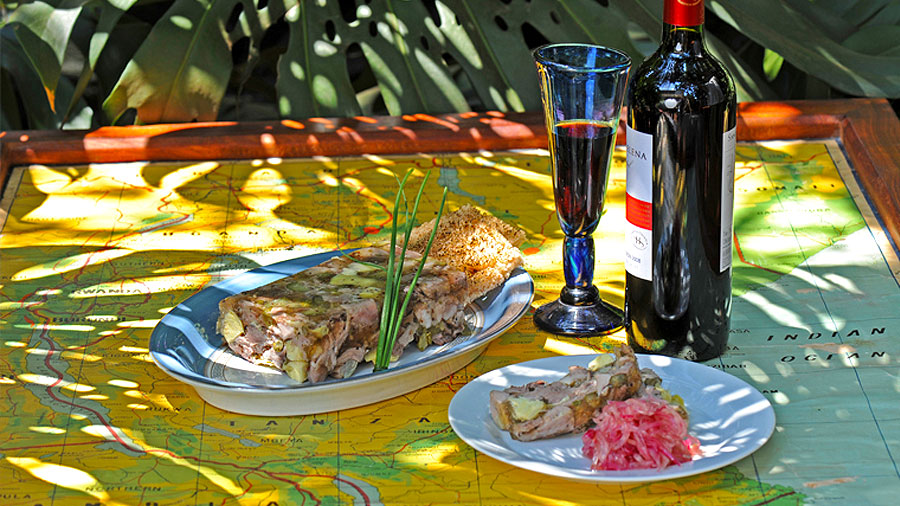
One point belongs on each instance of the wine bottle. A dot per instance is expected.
(680, 194)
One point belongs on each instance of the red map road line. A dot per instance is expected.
(740, 252)
(53, 445)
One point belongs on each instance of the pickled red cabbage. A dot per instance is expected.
(638, 433)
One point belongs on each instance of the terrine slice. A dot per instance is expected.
(540, 410)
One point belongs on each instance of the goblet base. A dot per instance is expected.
(596, 319)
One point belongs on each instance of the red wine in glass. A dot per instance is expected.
(582, 150)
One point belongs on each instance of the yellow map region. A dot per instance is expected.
(91, 257)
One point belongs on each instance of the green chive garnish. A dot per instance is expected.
(393, 309)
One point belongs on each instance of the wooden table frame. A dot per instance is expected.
(868, 129)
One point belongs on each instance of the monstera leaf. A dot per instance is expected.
(30, 89)
(854, 45)
(44, 28)
(424, 56)
(109, 14)
(190, 60)
(181, 71)
(24, 93)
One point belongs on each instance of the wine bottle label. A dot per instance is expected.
(729, 140)
(639, 204)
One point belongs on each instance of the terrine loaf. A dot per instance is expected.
(324, 320)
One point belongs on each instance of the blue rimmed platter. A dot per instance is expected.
(186, 346)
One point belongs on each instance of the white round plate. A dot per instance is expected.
(186, 346)
(729, 417)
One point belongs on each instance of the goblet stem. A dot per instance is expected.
(578, 268)
(579, 311)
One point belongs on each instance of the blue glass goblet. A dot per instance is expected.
(582, 88)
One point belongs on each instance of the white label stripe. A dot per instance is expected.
(639, 190)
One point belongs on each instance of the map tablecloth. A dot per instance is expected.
(91, 257)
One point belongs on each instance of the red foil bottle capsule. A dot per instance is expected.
(683, 12)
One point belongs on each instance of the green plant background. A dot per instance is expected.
(89, 63)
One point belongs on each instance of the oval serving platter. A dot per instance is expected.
(186, 346)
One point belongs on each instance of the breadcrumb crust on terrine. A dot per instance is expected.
(483, 246)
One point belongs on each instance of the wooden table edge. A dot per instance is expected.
(868, 128)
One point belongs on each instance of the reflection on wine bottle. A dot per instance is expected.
(671, 272)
